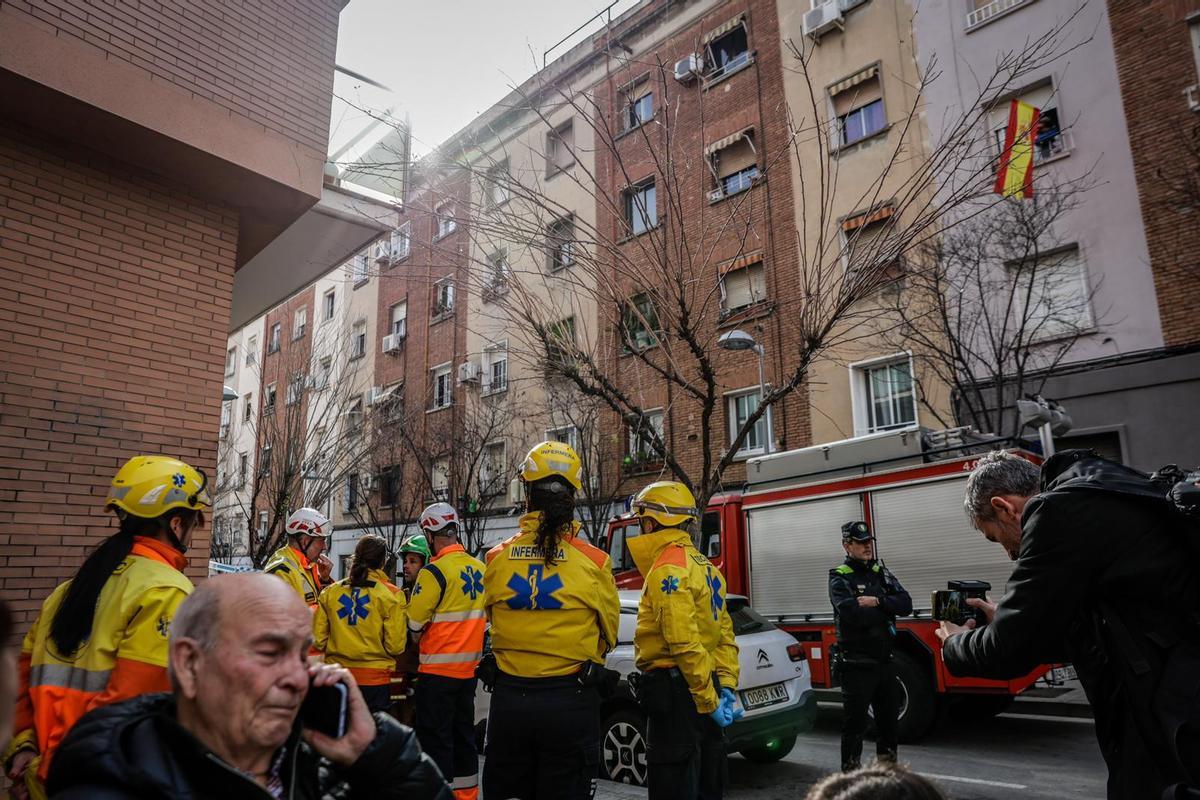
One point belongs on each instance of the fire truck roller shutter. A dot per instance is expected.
(925, 539)
(792, 548)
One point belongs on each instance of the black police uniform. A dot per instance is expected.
(866, 638)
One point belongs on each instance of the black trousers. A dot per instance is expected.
(685, 750)
(378, 697)
(871, 685)
(445, 727)
(543, 740)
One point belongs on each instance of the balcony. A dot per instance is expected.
(993, 10)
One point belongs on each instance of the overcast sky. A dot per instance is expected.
(448, 60)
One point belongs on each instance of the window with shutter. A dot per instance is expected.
(742, 287)
(1055, 288)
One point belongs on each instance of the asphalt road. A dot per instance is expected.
(1006, 757)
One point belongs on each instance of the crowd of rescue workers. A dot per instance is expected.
(133, 683)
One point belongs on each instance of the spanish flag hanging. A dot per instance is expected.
(1015, 176)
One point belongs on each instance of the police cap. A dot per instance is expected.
(856, 531)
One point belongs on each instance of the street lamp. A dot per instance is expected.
(228, 394)
(1047, 416)
(740, 340)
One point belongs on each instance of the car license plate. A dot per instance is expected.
(1061, 674)
(764, 696)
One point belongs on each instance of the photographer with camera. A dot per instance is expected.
(1105, 578)
(866, 600)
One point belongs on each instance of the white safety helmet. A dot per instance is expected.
(438, 516)
(308, 522)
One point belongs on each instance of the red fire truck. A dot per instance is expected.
(777, 539)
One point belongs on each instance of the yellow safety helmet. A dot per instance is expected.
(669, 503)
(150, 486)
(551, 460)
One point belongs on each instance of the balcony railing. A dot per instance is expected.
(991, 11)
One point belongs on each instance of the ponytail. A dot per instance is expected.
(556, 502)
(370, 553)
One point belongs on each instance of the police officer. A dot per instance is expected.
(866, 600)
(554, 611)
(684, 648)
(302, 562)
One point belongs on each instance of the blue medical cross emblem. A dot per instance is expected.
(535, 592)
(472, 582)
(354, 607)
(717, 601)
(670, 584)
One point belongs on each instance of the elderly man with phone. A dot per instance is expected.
(248, 714)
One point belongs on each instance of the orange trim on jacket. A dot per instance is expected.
(453, 621)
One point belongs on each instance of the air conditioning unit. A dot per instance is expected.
(468, 372)
(382, 251)
(516, 492)
(715, 195)
(686, 69)
(823, 19)
(392, 343)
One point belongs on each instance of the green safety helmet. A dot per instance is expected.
(416, 544)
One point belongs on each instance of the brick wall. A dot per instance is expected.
(269, 62)
(113, 320)
(1155, 64)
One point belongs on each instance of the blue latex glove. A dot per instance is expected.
(728, 698)
(723, 715)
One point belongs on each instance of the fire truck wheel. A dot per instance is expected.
(918, 700)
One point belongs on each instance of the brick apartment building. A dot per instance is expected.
(147, 154)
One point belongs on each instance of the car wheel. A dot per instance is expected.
(918, 701)
(770, 752)
(623, 748)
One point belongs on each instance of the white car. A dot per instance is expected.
(774, 690)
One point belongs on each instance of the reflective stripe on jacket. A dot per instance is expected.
(299, 573)
(682, 618)
(125, 655)
(453, 620)
(362, 628)
(548, 620)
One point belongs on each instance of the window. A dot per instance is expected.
(491, 470)
(741, 406)
(561, 344)
(358, 340)
(641, 212)
(734, 166)
(443, 297)
(440, 387)
(264, 461)
(981, 11)
(269, 402)
(247, 407)
(295, 388)
(389, 486)
(499, 185)
(728, 49)
(1194, 28)
(354, 415)
(401, 242)
(445, 220)
(226, 416)
(359, 270)
(329, 303)
(867, 250)
(568, 434)
(498, 274)
(743, 284)
(439, 479)
(1052, 296)
(495, 368)
(642, 449)
(324, 373)
(400, 319)
(1051, 140)
(884, 396)
(639, 326)
(299, 323)
(252, 350)
(390, 404)
(243, 469)
(639, 104)
(262, 523)
(560, 148)
(350, 493)
(560, 243)
(230, 361)
(858, 106)
(276, 333)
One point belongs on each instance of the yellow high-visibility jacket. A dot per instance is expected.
(363, 628)
(548, 620)
(300, 573)
(682, 618)
(447, 605)
(125, 655)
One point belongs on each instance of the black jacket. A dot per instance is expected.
(866, 632)
(136, 749)
(1106, 578)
